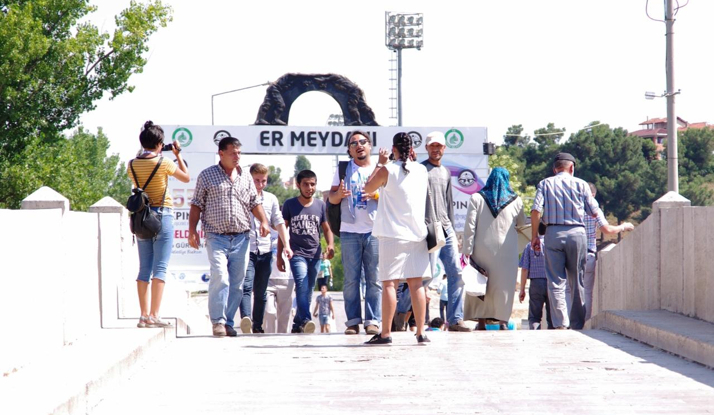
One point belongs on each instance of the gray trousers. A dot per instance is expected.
(565, 254)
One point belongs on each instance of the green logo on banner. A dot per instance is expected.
(183, 136)
(454, 138)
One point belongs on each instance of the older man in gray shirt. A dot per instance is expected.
(439, 207)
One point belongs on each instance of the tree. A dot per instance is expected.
(54, 68)
(87, 174)
(696, 165)
(514, 137)
(301, 163)
(275, 186)
(539, 157)
(615, 162)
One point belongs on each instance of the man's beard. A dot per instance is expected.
(305, 196)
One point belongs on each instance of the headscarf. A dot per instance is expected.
(497, 192)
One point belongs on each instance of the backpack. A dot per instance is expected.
(334, 213)
(143, 222)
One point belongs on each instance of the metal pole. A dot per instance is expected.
(672, 162)
(399, 87)
(233, 90)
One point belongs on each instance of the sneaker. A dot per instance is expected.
(371, 329)
(309, 327)
(378, 340)
(422, 339)
(219, 329)
(143, 321)
(245, 324)
(231, 332)
(460, 326)
(154, 322)
(353, 330)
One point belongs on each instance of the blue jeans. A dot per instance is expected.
(256, 281)
(154, 253)
(304, 273)
(361, 251)
(227, 255)
(452, 267)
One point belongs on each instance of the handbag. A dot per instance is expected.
(475, 279)
(334, 212)
(144, 222)
(435, 236)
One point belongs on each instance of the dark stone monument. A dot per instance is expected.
(281, 94)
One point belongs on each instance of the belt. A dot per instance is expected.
(233, 233)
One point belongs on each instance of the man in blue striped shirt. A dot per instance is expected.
(562, 201)
(532, 265)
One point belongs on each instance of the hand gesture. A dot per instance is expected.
(383, 156)
(370, 196)
(264, 229)
(194, 241)
(288, 252)
(281, 264)
(343, 192)
(522, 295)
(177, 148)
(535, 244)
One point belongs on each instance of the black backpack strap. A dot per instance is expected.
(136, 179)
(342, 167)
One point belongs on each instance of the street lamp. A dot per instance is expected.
(403, 31)
(234, 90)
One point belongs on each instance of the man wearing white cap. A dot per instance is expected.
(439, 207)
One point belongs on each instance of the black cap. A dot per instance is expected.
(564, 157)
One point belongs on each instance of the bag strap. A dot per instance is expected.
(342, 167)
(136, 180)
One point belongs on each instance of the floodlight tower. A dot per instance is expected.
(402, 31)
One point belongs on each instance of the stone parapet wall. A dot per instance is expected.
(664, 264)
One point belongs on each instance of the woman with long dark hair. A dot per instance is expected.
(154, 253)
(491, 241)
(401, 230)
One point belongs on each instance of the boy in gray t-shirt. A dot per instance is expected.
(323, 309)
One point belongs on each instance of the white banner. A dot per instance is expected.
(463, 157)
(266, 139)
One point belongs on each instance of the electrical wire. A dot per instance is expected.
(648, 13)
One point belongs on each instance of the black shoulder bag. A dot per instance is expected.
(144, 222)
(334, 214)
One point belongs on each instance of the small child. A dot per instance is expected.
(437, 324)
(323, 305)
(532, 265)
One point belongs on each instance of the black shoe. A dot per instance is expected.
(378, 340)
(296, 330)
(256, 330)
(230, 331)
(422, 339)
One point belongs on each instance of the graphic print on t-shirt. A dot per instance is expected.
(304, 224)
(357, 182)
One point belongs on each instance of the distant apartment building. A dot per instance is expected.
(655, 129)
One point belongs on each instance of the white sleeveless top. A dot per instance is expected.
(402, 202)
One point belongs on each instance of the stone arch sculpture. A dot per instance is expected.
(281, 94)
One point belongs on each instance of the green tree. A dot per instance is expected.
(54, 68)
(301, 163)
(615, 162)
(87, 174)
(275, 186)
(538, 158)
(696, 165)
(514, 136)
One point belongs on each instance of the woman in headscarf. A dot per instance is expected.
(491, 241)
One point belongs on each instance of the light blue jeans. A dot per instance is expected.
(361, 251)
(154, 254)
(228, 257)
(449, 255)
(304, 273)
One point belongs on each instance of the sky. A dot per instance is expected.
(486, 64)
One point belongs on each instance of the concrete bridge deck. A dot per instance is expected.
(516, 372)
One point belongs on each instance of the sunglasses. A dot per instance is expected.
(360, 142)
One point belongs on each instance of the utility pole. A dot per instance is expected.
(672, 162)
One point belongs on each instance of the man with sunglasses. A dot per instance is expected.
(360, 250)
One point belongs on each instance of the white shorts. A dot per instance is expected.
(400, 259)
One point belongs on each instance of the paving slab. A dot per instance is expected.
(507, 372)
